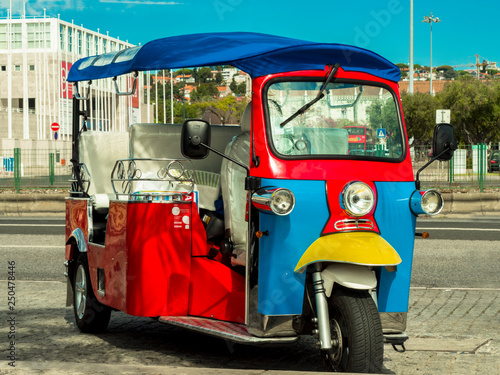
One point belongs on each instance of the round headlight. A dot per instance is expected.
(358, 198)
(432, 202)
(282, 201)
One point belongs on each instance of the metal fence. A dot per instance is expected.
(34, 169)
(470, 168)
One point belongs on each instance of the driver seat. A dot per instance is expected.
(234, 194)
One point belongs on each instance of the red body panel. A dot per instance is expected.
(216, 291)
(334, 190)
(155, 262)
(76, 217)
(322, 169)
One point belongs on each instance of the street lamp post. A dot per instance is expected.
(411, 48)
(430, 19)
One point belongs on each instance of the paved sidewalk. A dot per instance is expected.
(452, 331)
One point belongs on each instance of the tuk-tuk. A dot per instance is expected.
(258, 233)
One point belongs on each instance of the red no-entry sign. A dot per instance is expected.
(54, 126)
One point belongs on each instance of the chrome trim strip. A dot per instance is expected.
(350, 224)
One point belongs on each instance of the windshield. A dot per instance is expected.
(350, 120)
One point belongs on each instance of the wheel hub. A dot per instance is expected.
(80, 292)
(335, 353)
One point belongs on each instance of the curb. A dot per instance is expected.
(479, 203)
(33, 204)
(54, 204)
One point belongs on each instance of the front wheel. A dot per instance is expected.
(91, 316)
(358, 342)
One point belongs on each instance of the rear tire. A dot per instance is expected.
(91, 316)
(358, 341)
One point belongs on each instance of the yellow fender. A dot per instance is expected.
(362, 248)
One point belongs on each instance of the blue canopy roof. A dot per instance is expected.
(256, 54)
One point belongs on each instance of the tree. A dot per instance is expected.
(444, 68)
(419, 111)
(450, 74)
(204, 74)
(205, 90)
(464, 76)
(475, 109)
(219, 79)
(183, 71)
(227, 109)
(402, 66)
(233, 85)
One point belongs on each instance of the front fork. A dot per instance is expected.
(324, 332)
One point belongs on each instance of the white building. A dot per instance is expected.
(36, 54)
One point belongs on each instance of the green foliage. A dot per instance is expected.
(228, 110)
(203, 91)
(218, 78)
(419, 111)
(204, 75)
(183, 71)
(475, 109)
(450, 74)
(382, 114)
(401, 65)
(444, 68)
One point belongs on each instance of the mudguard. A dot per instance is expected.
(361, 248)
(348, 275)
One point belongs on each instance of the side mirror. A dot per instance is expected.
(443, 142)
(195, 136)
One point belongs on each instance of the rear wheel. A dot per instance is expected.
(90, 315)
(358, 342)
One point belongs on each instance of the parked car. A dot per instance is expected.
(494, 161)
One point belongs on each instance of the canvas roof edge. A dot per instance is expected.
(257, 54)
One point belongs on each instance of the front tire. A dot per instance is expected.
(91, 316)
(358, 342)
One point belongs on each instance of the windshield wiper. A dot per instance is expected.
(318, 97)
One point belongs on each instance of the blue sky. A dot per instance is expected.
(467, 28)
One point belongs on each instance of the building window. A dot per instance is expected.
(31, 68)
(17, 36)
(38, 35)
(62, 36)
(17, 68)
(3, 36)
(3, 68)
(88, 47)
(79, 41)
(70, 39)
(96, 45)
(31, 105)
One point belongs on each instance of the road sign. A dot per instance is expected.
(443, 116)
(54, 126)
(55, 136)
(381, 133)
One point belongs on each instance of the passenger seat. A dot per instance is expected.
(233, 188)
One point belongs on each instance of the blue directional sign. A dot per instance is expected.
(55, 136)
(381, 133)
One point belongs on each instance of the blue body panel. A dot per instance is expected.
(397, 225)
(281, 290)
